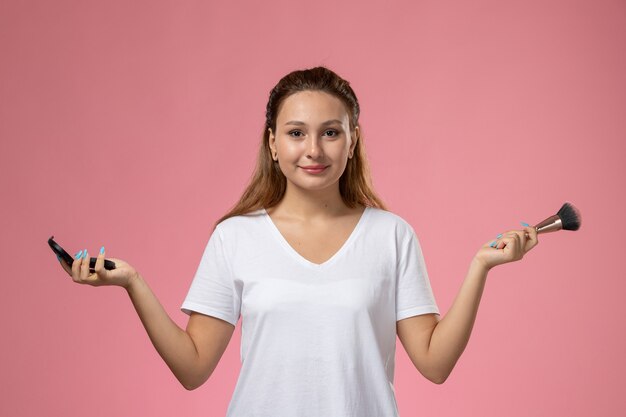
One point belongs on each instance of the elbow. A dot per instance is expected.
(191, 384)
(439, 374)
(440, 379)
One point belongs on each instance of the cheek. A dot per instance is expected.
(340, 148)
(289, 148)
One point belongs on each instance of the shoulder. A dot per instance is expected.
(389, 221)
(388, 218)
(240, 224)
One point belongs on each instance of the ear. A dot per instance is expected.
(272, 143)
(355, 138)
(272, 139)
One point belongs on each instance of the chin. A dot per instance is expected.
(316, 186)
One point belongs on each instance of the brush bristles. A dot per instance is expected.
(570, 217)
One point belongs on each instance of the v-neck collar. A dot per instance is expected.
(301, 259)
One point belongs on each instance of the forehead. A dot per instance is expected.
(311, 106)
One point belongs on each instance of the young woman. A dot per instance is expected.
(321, 274)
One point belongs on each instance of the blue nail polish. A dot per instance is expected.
(78, 254)
(85, 254)
(493, 244)
(525, 224)
(499, 236)
(101, 250)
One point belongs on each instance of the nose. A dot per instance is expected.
(314, 149)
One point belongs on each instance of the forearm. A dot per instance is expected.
(171, 342)
(452, 332)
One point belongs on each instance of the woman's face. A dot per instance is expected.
(312, 141)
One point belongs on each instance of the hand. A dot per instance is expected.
(512, 246)
(122, 275)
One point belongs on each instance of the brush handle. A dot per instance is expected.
(551, 224)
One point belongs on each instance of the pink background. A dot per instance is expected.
(135, 125)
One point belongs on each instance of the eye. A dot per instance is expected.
(295, 133)
(332, 132)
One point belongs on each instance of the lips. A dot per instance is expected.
(314, 169)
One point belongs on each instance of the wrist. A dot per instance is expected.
(480, 264)
(133, 282)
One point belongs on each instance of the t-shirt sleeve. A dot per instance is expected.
(414, 295)
(212, 291)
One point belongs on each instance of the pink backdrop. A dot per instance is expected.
(135, 125)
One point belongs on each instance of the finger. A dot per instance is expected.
(496, 244)
(76, 266)
(522, 237)
(493, 243)
(503, 241)
(499, 242)
(85, 274)
(93, 278)
(533, 238)
(515, 244)
(99, 267)
(509, 239)
(84, 267)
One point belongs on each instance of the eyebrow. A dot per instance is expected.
(299, 123)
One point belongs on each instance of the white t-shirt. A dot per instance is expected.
(318, 340)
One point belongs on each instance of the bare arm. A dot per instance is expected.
(435, 345)
(191, 354)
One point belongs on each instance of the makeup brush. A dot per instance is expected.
(567, 218)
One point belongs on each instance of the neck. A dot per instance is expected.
(308, 204)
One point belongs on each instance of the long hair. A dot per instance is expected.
(268, 184)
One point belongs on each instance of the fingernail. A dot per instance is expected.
(101, 250)
(78, 254)
(524, 224)
(59, 258)
(499, 236)
(493, 244)
(85, 254)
